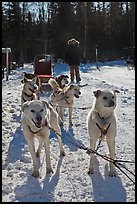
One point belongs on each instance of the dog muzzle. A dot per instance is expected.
(77, 95)
(38, 124)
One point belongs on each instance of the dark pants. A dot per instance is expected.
(74, 72)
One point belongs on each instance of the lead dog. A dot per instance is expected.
(64, 98)
(101, 120)
(37, 118)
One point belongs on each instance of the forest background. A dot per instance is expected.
(32, 28)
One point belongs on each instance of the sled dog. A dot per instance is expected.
(101, 121)
(62, 80)
(64, 98)
(37, 119)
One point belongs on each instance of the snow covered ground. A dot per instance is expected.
(70, 181)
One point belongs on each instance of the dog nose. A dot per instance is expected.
(39, 118)
(111, 103)
(35, 87)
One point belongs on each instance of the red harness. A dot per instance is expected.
(103, 131)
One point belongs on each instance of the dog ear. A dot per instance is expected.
(116, 91)
(45, 103)
(97, 93)
(24, 80)
(34, 79)
(25, 105)
(71, 86)
(37, 81)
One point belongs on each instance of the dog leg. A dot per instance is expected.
(57, 129)
(92, 156)
(34, 158)
(111, 146)
(39, 148)
(54, 122)
(61, 115)
(47, 151)
(70, 116)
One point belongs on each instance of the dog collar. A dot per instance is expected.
(45, 124)
(67, 101)
(33, 131)
(28, 95)
(27, 100)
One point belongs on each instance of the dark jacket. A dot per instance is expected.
(73, 55)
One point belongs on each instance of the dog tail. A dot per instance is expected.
(54, 84)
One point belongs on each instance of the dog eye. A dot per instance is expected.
(113, 97)
(32, 111)
(105, 97)
(42, 110)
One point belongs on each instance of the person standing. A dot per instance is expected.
(73, 55)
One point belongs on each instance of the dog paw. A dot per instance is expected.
(112, 174)
(36, 174)
(49, 170)
(90, 171)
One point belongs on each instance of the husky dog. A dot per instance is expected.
(30, 90)
(62, 80)
(101, 120)
(37, 119)
(64, 98)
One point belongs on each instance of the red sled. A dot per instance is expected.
(43, 67)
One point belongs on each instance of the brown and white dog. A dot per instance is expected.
(64, 98)
(101, 121)
(38, 82)
(62, 80)
(30, 90)
(29, 75)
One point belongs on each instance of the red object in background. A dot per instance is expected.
(43, 67)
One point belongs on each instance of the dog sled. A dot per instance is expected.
(43, 67)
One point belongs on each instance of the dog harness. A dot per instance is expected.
(56, 92)
(103, 131)
(28, 96)
(67, 101)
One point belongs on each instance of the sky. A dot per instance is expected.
(70, 181)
